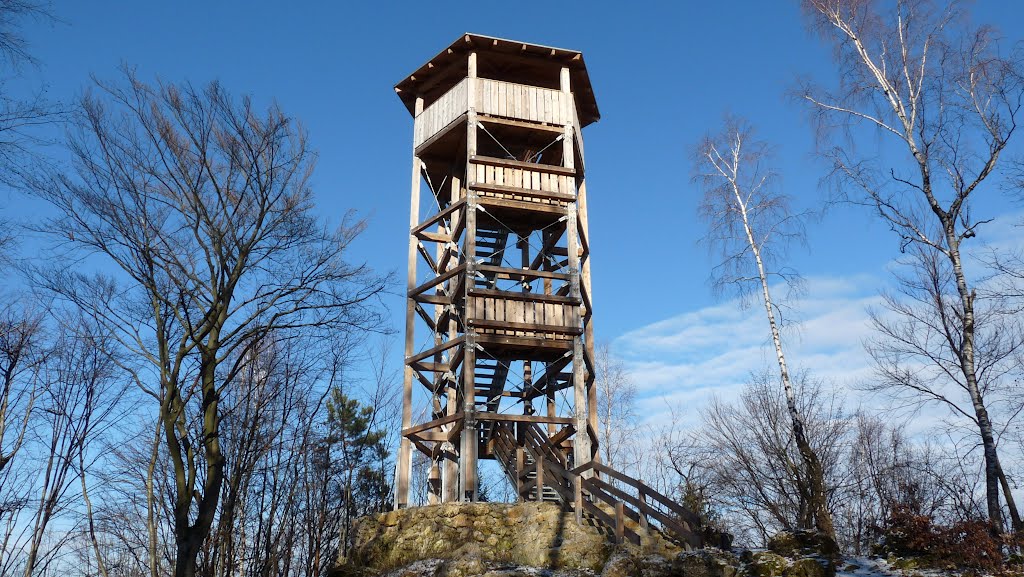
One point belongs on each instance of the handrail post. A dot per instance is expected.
(620, 522)
(643, 514)
(539, 462)
(577, 500)
(520, 465)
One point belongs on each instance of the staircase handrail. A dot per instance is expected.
(597, 488)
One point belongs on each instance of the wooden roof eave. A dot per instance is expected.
(442, 64)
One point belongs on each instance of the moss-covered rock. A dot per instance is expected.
(513, 540)
(706, 563)
(766, 564)
(532, 534)
(808, 567)
(622, 564)
(801, 543)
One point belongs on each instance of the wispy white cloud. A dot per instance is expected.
(680, 362)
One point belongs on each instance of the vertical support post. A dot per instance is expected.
(468, 453)
(551, 410)
(581, 441)
(404, 464)
(434, 481)
(450, 474)
(433, 484)
(588, 313)
(470, 437)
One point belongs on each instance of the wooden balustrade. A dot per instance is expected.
(617, 509)
(508, 100)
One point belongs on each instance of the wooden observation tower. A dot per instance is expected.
(498, 318)
(498, 336)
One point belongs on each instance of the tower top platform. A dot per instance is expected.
(507, 60)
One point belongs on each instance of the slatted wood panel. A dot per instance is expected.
(524, 312)
(496, 98)
(579, 136)
(522, 102)
(527, 180)
(441, 112)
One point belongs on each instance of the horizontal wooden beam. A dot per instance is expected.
(435, 350)
(430, 436)
(431, 424)
(524, 296)
(439, 216)
(430, 367)
(525, 327)
(433, 236)
(524, 342)
(535, 209)
(562, 435)
(432, 299)
(520, 274)
(554, 129)
(504, 162)
(520, 191)
(438, 280)
(523, 418)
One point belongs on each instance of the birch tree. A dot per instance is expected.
(942, 101)
(751, 222)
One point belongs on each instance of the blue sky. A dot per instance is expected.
(663, 72)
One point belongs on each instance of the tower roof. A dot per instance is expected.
(500, 59)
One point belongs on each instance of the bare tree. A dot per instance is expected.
(742, 467)
(885, 470)
(944, 97)
(751, 222)
(202, 205)
(80, 398)
(917, 356)
(616, 408)
(20, 117)
(22, 353)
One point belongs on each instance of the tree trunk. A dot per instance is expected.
(815, 474)
(967, 366)
(1011, 504)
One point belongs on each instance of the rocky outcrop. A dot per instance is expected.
(539, 539)
(801, 543)
(530, 534)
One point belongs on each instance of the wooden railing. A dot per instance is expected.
(441, 112)
(522, 181)
(499, 99)
(625, 509)
(523, 102)
(646, 504)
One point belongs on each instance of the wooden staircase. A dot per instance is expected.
(623, 506)
(490, 246)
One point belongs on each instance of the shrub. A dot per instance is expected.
(963, 545)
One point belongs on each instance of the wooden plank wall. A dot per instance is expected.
(525, 312)
(526, 179)
(576, 129)
(496, 98)
(441, 113)
(521, 102)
